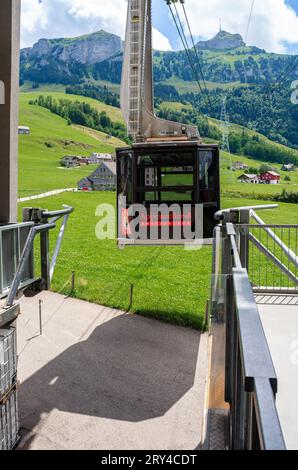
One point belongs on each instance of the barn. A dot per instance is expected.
(102, 179)
(270, 177)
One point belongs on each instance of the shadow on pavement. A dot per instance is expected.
(130, 369)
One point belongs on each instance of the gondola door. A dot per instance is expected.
(165, 185)
(125, 193)
(209, 186)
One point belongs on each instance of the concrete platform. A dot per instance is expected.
(102, 379)
(279, 316)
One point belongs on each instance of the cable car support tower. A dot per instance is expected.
(137, 100)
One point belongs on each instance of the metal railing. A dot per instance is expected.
(250, 378)
(270, 256)
(16, 274)
(39, 222)
(268, 252)
(12, 240)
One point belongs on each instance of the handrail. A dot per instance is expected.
(220, 214)
(41, 225)
(252, 373)
(270, 433)
(60, 213)
(257, 361)
(24, 256)
(250, 379)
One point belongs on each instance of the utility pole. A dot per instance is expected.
(9, 96)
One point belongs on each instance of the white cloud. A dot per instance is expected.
(160, 42)
(111, 14)
(57, 18)
(274, 24)
(63, 18)
(33, 15)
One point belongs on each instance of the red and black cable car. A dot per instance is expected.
(182, 177)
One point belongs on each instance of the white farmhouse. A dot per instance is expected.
(24, 130)
(97, 158)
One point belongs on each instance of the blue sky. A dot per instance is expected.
(274, 24)
(166, 27)
(293, 48)
(293, 4)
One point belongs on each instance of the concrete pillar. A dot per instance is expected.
(9, 96)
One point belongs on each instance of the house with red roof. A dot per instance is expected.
(270, 177)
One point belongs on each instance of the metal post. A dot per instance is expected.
(58, 246)
(131, 297)
(229, 306)
(244, 241)
(45, 260)
(9, 116)
(17, 278)
(230, 339)
(40, 317)
(23, 259)
(73, 281)
(249, 422)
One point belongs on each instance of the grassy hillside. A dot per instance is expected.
(51, 138)
(114, 113)
(100, 136)
(234, 128)
(42, 87)
(231, 185)
(184, 87)
(174, 106)
(229, 179)
(237, 129)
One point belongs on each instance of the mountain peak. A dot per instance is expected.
(222, 41)
(86, 50)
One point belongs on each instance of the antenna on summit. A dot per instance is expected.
(220, 29)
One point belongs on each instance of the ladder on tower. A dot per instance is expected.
(137, 97)
(135, 68)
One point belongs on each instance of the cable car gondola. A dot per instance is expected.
(183, 174)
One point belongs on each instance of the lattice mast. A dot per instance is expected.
(137, 100)
(225, 126)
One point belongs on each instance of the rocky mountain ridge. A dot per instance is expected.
(222, 41)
